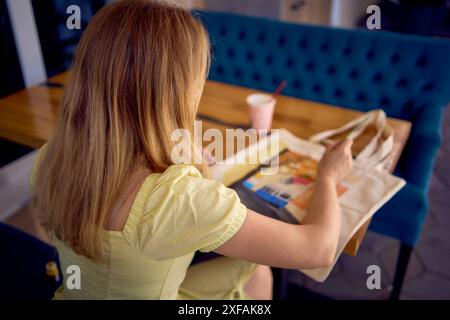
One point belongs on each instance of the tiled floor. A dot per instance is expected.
(428, 275)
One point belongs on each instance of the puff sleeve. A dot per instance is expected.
(186, 212)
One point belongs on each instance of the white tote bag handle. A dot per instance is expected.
(376, 154)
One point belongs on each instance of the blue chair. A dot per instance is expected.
(58, 43)
(407, 76)
(22, 271)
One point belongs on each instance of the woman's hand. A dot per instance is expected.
(337, 161)
(313, 243)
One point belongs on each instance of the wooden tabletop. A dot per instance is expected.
(29, 117)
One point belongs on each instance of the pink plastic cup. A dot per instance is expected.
(260, 109)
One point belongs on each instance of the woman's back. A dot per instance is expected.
(127, 274)
(171, 215)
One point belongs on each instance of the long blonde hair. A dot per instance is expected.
(137, 75)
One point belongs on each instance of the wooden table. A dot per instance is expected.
(29, 116)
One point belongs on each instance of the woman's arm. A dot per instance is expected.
(312, 244)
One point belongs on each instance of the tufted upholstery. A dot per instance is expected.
(407, 76)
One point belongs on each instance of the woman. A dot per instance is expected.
(114, 203)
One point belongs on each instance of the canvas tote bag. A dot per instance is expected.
(368, 187)
(371, 186)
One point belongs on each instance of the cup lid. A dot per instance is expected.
(259, 99)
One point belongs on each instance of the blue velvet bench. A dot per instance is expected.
(407, 76)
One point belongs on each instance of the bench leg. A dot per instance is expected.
(400, 272)
(280, 283)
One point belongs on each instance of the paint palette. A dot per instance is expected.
(292, 187)
(296, 173)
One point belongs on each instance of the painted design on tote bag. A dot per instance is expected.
(292, 187)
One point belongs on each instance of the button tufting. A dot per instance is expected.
(354, 74)
(370, 54)
(324, 47)
(262, 37)
(310, 66)
(338, 93)
(385, 101)
(256, 76)
(377, 77)
(421, 61)
(317, 88)
(289, 63)
(331, 70)
(231, 53)
(395, 58)
(347, 51)
(281, 41)
(250, 56)
(303, 44)
(361, 97)
(409, 105)
(241, 35)
(401, 82)
(276, 80)
(428, 87)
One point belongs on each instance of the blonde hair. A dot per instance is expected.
(137, 75)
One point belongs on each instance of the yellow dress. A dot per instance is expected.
(174, 214)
